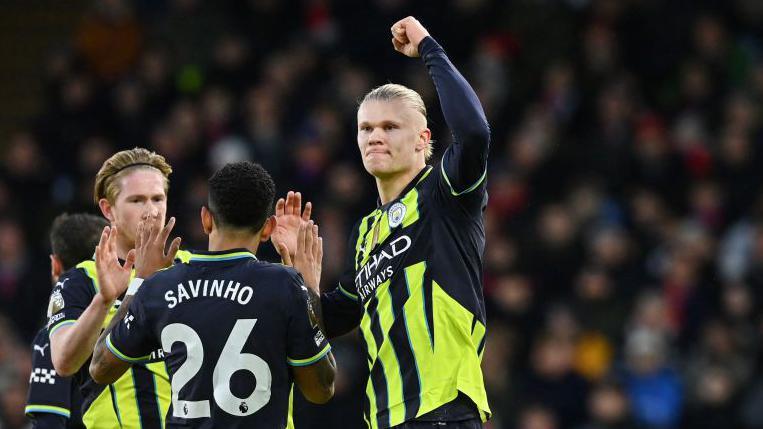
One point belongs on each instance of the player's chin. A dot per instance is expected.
(376, 168)
(375, 164)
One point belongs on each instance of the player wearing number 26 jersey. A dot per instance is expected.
(235, 331)
(230, 327)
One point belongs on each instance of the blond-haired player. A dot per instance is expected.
(130, 187)
(414, 276)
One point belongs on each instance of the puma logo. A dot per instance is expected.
(40, 349)
(61, 284)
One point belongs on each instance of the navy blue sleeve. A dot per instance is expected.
(70, 297)
(341, 306)
(49, 396)
(464, 163)
(341, 313)
(305, 343)
(132, 339)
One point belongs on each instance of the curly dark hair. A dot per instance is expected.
(241, 195)
(73, 237)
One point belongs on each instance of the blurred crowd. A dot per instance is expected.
(624, 259)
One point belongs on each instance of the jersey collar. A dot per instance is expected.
(220, 255)
(419, 177)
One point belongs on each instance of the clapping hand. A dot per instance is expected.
(113, 276)
(150, 243)
(308, 256)
(289, 217)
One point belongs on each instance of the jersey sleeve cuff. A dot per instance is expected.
(309, 361)
(35, 408)
(347, 293)
(60, 324)
(427, 46)
(121, 356)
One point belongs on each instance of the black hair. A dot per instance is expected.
(241, 195)
(73, 237)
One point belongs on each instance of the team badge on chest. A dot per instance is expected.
(396, 214)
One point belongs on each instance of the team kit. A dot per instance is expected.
(143, 334)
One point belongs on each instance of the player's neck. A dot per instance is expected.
(390, 187)
(219, 240)
(123, 249)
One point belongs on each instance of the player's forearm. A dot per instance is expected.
(317, 308)
(316, 382)
(71, 346)
(48, 421)
(326, 376)
(100, 368)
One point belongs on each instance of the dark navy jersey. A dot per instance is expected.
(229, 326)
(52, 401)
(413, 282)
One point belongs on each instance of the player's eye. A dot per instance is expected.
(365, 128)
(389, 127)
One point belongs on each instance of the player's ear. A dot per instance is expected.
(56, 267)
(207, 221)
(106, 209)
(267, 229)
(425, 136)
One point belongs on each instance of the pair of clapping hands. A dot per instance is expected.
(148, 256)
(295, 238)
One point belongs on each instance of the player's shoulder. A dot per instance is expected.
(275, 270)
(422, 185)
(81, 276)
(286, 277)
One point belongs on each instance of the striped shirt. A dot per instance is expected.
(413, 279)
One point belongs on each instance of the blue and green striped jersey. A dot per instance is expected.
(414, 281)
(140, 398)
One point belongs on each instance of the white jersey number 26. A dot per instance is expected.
(231, 360)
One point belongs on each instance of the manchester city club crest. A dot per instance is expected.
(396, 214)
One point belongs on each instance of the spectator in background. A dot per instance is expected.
(601, 307)
(609, 408)
(538, 417)
(653, 387)
(20, 282)
(553, 382)
(109, 39)
(714, 403)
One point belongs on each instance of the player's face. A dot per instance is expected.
(390, 137)
(141, 191)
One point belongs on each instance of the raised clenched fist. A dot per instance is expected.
(406, 36)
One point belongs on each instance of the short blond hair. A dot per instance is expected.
(116, 167)
(394, 91)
